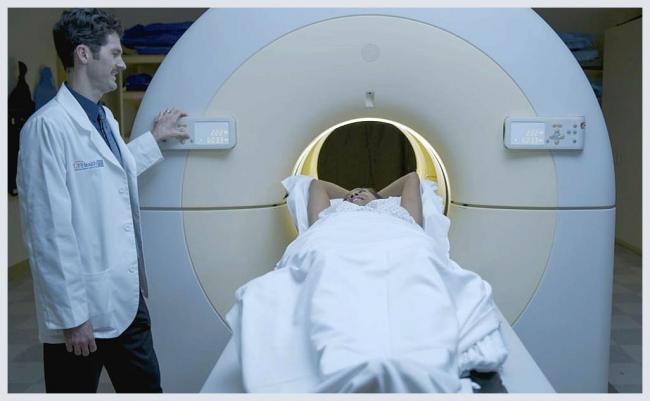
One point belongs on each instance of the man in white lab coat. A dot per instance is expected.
(78, 193)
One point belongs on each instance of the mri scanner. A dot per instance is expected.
(498, 112)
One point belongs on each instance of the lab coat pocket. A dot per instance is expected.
(100, 305)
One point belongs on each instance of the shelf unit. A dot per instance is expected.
(129, 101)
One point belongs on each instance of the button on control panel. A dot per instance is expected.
(204, 133)
(550, 133)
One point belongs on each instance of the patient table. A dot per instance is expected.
(519, 374)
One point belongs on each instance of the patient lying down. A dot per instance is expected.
(407, 187)
(366, 299)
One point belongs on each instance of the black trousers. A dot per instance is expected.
(129, 359)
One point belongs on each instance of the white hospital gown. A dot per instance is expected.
(390, 206)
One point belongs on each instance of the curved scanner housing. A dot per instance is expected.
(451, 77)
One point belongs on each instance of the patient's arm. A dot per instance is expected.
(408, 187)
(320, 193)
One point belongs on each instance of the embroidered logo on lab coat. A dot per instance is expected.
(82, 165)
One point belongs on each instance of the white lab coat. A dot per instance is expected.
(81, 219)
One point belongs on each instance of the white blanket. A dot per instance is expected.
(365, 302)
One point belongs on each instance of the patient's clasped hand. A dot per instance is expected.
(366, 298)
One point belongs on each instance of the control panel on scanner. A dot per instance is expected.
(563, 133)
(204, 133)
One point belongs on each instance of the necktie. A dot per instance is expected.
(106, 133)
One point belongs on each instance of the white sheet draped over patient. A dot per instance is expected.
(365, 302)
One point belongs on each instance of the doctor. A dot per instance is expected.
(78, 193)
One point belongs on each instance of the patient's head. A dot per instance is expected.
(361, 196)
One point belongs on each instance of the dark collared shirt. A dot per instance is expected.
(97, 117)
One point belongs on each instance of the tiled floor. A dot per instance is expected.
(625, 344)
(25, 352)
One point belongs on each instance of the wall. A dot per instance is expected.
(622, 106)
(587, 20)
(30, 41)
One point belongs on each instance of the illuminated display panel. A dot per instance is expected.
(211, 133)
(527, 133)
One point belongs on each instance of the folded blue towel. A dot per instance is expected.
(152, 49)
(137, 82)
(586, 55)
(597, 86)
(154, 35)
(575, 40)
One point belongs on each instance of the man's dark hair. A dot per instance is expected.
(88, 26)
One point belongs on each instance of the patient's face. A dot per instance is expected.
(359, 196)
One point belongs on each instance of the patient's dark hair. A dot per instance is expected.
(87, 26)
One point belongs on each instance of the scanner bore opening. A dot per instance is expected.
(372, 152)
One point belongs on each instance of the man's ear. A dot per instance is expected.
(83, 54)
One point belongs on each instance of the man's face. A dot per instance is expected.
(106, 64)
